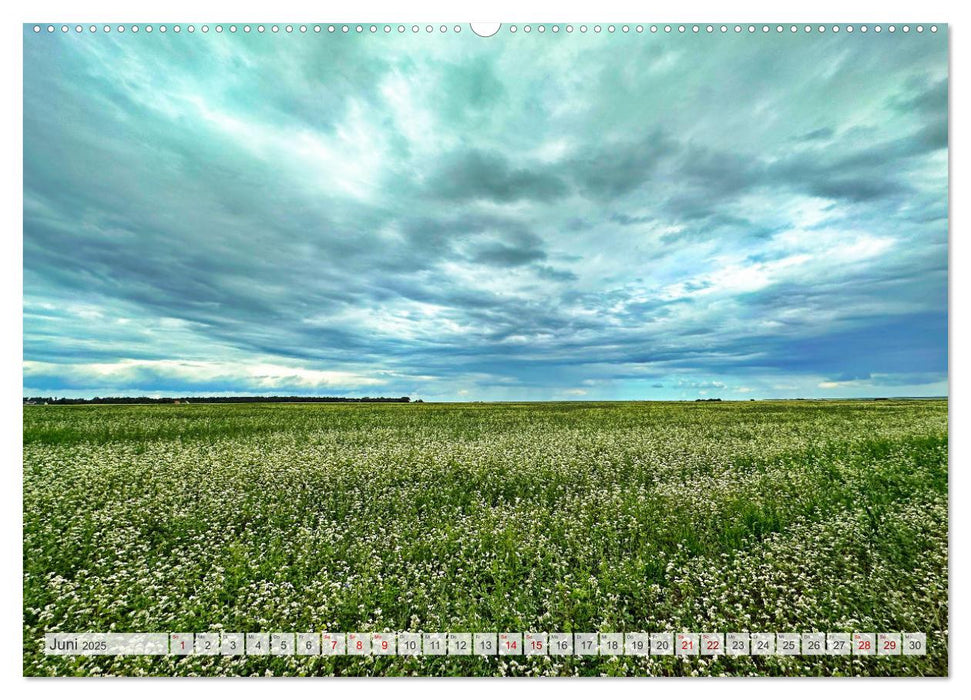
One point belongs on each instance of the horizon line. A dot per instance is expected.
(251, 398)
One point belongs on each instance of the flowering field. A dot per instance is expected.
(759, 516)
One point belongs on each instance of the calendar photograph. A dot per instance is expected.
(468, 350)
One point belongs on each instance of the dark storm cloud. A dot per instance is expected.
(501, 255)
(481, 175)
(608, 171)
(923, 95)
(820, 134)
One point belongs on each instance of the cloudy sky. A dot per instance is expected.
(521, 217)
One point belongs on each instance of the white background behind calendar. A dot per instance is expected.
(185, 11)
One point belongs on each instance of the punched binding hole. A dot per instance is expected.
(485, 29)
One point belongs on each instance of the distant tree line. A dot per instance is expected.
(214, 399)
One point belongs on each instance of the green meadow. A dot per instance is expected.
(791, 516)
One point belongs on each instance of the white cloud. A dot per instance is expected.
(258, 375)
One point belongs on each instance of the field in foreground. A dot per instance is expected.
(758, 516)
